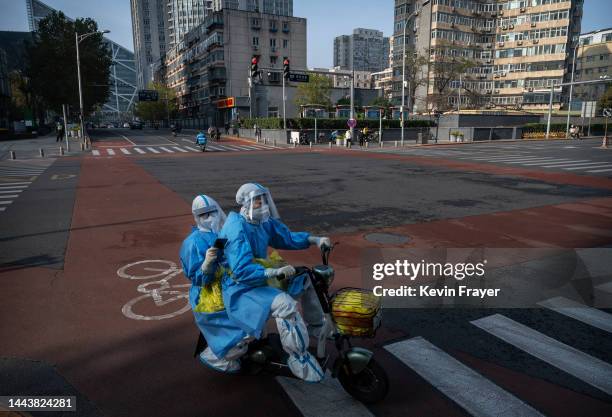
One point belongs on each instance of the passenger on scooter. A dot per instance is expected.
(204, 267)
(250, 301)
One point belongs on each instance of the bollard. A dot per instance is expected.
(604, 143)
(396, 144)
(42, 153)
(61, 151)
(13, 155)
(310, 144)
(381, 143)
(82, 146)
(275, 143)
(367, 144)
(330, 144)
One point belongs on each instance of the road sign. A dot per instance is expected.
(299, 78)
(607, 112)
(148, 95)
(352, 123)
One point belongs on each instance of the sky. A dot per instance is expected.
(326, 19)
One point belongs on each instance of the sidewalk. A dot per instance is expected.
(30, 148)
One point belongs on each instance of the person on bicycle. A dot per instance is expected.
(249, 298)
(204, 266)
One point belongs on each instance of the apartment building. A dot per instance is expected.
(593, 62)
(363, 50)
(383, 80)
(209, 68)
(516, 49)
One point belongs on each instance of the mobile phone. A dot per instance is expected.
(220, 243)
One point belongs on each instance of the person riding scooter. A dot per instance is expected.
(201, 141)
(250, 301)
(204, 266)
(574, 132)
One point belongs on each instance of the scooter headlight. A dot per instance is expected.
(325, 273)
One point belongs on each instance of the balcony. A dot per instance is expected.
(216, 22)
(217, 75)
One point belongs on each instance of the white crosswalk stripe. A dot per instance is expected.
(592, 165)
(216, 147)
(476, 394)
(10, 191)
(11, 187)
(585, 367)
(568, 163)
(580, 312)
(600, 170)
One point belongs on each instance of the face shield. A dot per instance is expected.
(207, 214)
(257, 203)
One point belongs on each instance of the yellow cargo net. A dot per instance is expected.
(211, 298)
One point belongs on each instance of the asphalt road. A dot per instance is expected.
(79, 221)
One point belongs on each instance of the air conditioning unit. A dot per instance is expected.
(452, 24)
(535, 41)
(493, 14)
(496, 76)
(519, 43)
(501, 12)
(482, 77)
(533, 24)
(523, 10)
(504, 27)
(489, 61)
(489, 45)
(496, 92)
(501, 44)
(453, 9)
(489, 91)
(510, 26)
(530, 89)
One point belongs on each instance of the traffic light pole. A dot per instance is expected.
(284, 98)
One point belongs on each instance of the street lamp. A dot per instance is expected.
(77, 40)
(416, 12)
(569, 103)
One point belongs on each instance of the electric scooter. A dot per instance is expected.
(356, 369)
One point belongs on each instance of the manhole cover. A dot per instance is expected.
(386, 238)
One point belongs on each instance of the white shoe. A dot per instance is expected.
(305, 367)
(208, 358)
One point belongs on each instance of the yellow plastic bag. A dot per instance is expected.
(357, 312)
(274, 261)
(211, 298)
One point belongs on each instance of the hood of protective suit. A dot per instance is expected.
(207, 213)
(247, 195)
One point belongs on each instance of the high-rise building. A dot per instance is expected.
(277, 7)
(183, 16)
(593, 62)
(122, 74)
(364, 50)
(518, 49)
(209, 68)
(149, 23)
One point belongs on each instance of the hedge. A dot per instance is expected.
(277, 123)
(558, 127)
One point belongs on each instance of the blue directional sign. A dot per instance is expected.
(299, 78)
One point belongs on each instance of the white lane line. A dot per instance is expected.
(585, 367)
(95, 152)
(554, 161)
(592, 166)
(139, 150)
(535, 162)
(580, 312)
(568, 163)
(6, 202)
(12, 187)
(2, 208)
(166, 149)
(153, 150)
(601, 170)
(194, 149)
(2, 196)
(494, 158)
(15, 183)
(331, 399)
(110, 151)
(530, 159)
(126, 138)
(179, 149)
(10, 191)
(476, 394)
(125, 151)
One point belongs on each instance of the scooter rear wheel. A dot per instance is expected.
(368, 386)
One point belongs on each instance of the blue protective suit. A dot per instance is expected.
(220, 331)
(246, 294)
(201, 139)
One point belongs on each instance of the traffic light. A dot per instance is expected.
(254, 67)
(286, 68)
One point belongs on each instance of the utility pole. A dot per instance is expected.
(569, 103)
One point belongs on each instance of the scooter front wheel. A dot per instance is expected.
(368, 386)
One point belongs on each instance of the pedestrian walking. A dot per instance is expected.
(60, 132)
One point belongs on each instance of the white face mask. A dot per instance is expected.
(261, 214)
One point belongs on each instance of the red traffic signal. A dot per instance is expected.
(286, 68)
(254, 67)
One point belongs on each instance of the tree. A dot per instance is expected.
(446, 68)
(344, 101)
(316, 91)
(51, 63)
(605, 102)
(157, 110)
(415, 74)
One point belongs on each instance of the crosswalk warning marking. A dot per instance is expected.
(192, 149)
(95, 152)
(476, 394)
(153, 150)
(110, 151)
(125, 151)
(585, 367)
(139, 150)
(166, 149)
(179, 149)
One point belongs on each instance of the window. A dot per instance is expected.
(272, 43)
(286, 27)
(255, 41)
(272, 111)
(285, 43)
